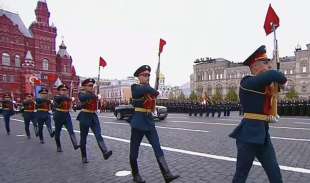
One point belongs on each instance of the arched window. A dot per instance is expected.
(17, 61)
(45, 64)
(5, 59)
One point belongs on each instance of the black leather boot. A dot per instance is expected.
(59, 149)
(106, 154)
(165, 170)
(36, 131)
(136, 177)
(74, 142)
(83, 153)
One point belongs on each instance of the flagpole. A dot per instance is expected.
(98, 81)
(276, 47)
(275, 102)
(157, 73)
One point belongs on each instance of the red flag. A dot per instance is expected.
(102, 62)
(162, 43)
(272, 19)
(37, 81)
(73, 70)
(52, 78)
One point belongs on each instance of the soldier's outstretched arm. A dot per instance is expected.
(264, 79)
(85, 96)
(140, 90)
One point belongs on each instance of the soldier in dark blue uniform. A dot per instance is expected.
(28, 108)
(43, 106)
(252, 136)
(7, 111)
(61, 116)
(142, 123)
(88, 119)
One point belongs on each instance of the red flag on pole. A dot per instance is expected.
(102, 62)
(271, 19)
(162, 43)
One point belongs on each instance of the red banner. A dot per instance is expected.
(271, 20)
(162, 43)
(102, 62)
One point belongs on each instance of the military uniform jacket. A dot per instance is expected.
(62, 102)
(89, 101)
(28, 106)
(255, 131)
(7, 107)
(141, 120)
(43, 104)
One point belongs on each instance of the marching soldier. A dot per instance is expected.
(142, 124)
(7, 111)
(88, 119)
(228, 108)
(43, 106)
(252, 136)
(308, 108)
(61, 116)
(28, 109)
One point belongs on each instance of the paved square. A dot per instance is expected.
(197, 148)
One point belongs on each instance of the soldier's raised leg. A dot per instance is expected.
(48, 124)
(7, 122)
(95, 127)
(58, 126)
(40, 130)
(69, 128)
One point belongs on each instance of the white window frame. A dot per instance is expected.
(45, 64)
(17, 61)
(6, 59)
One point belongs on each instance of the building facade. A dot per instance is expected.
(166, 91)
(116, 90)
(220, 75)
(29, 57)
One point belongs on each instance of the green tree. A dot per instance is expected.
(193, 96)
(181, 97)
(217, 97)
(291, 94)
(171, 96)
(232, 96)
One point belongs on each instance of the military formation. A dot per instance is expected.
(40, 110)
(258, 106)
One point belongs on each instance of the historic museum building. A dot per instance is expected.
(28, 55)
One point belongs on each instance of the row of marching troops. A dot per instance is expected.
(198, 109)
(285, 108)
(294, 108)
(39, 111)
(210, 109)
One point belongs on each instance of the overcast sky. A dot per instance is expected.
(126, 33)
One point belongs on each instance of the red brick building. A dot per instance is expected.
(28, 56)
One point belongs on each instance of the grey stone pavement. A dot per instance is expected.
(197, 148)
